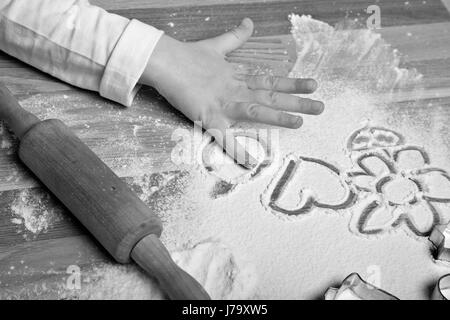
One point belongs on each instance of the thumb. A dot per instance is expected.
(225, 138)
(233, 39)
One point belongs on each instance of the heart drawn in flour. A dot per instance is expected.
(303, 184)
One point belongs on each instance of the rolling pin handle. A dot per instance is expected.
(152, 256)
(17, 118)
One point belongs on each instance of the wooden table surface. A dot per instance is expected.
(137, 140)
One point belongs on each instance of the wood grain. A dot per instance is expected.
(117, 218)
(91, 191)
(126, 4)
(195, 22)
(157, 190)
(129, 140)
(38, 269)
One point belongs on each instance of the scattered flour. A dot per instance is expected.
(114, 282)
(359, 57)
(6, 141)
(212, 264)
(32, 211)
(220, 273)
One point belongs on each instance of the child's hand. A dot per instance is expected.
(195, 78)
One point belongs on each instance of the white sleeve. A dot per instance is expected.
(79, 43)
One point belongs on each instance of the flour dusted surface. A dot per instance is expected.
(238, 246)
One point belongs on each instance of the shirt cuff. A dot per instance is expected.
(128, 61)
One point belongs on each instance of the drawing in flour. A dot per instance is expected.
(230, 174)
(373, 137)
(391, 185)
(303, 184)
(397, 183)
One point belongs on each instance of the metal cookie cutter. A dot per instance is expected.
(440, 238)
(442, 289)
(355, 288)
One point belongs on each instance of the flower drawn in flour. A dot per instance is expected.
(369, 137)
(400, 184)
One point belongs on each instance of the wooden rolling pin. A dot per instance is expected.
(103, 203)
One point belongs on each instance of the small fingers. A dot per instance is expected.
(287, 102)
(259, 113)
(287, 85)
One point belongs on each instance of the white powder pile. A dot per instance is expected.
(212, 264)
(359, 57)
(5, 137)
(220, 273)
(31, 210)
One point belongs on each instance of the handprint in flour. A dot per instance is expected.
(396, 183)
(228, 173)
